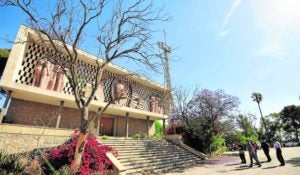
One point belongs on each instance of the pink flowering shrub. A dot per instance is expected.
(93, 159)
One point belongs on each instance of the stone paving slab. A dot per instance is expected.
(231, 165)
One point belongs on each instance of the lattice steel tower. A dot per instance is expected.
(167, 78)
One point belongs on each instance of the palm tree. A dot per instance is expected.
(257, 97)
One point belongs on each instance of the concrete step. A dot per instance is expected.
(132, 140)
(135, 144)
(128, 145)
(161, 160)
(135, 155)
(145, 146)
(139, 146)
(149, 156)
(127, 140)
(154, 149)
(121, 138)
(149, 152)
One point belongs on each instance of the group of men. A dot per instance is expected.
(252, 149)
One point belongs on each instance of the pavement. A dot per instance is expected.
(231, 165)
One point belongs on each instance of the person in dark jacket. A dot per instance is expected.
(251, 147)
(266, 148)
(241, 149)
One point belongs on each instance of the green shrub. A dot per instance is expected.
(158, 128)
(10, 164)
(157, 137)
(3, 157)
(217, 142)
(220, 151)
(65, 170)
(137, 136)
(244, 139)
(104, 137)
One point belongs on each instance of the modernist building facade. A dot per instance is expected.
(40, 95)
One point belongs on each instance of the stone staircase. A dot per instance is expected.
(145, 156)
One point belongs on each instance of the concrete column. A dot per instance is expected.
(4, 108)
(115, 131)
(117, 127)
(148, 124)
(60, 109)
(98, 121)
(127, 124)
(164, 125)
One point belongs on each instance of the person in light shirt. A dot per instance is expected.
(277, 147)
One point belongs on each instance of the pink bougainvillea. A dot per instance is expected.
(93, 159)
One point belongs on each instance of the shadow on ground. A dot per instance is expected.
(243, 167)
(232, 164)
(294, 161)
(270, 167)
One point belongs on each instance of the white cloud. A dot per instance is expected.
(233, 8)
(222, 34)
(274, 49)
(278, 24)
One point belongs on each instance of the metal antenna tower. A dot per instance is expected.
(167, 78)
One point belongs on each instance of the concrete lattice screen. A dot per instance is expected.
(34, 52)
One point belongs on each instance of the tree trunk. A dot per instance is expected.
(263, 120)
(296, 134)
(81, 140)
(99, 121)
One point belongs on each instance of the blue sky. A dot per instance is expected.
(240, 46)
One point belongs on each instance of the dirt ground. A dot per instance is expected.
(231, 165)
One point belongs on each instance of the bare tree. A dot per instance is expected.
(182, 105)
(126, 34)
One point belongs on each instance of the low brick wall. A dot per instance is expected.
(18, 138)
(37, 114)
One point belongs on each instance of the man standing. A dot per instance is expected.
(241, 153)
(277, 146)
(266, 148)
(252, 153)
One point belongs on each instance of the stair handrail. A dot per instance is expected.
(118, 168)
(188, 148)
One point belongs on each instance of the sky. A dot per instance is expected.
(240, 46)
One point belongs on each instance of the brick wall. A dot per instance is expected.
(38, 114)
(135, 126)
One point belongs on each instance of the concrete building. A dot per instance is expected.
(34, 100)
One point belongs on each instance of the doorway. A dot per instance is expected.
(106, 126)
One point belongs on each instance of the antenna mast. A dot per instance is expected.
(167, 78)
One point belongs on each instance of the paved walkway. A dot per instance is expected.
(231, 165)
